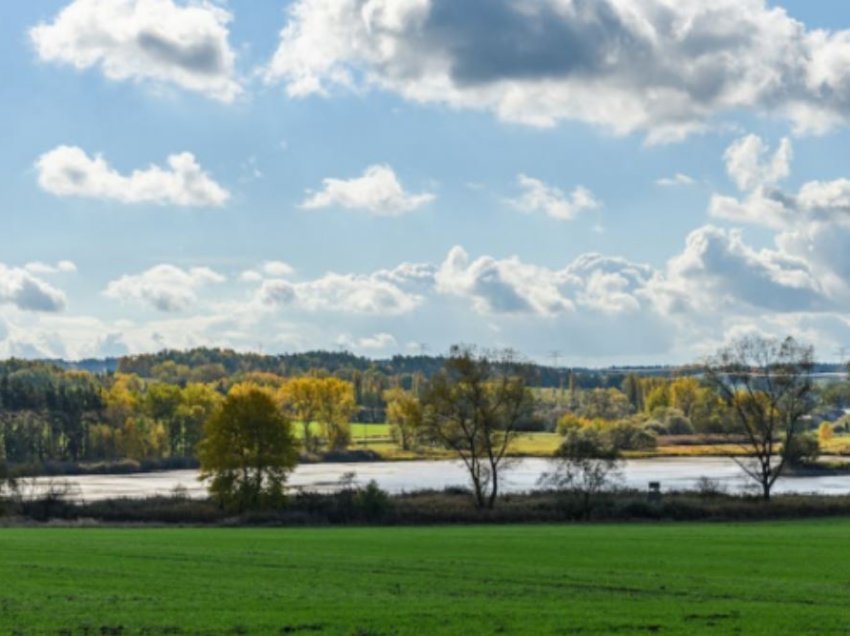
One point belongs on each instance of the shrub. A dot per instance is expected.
(678, 424)
(372, 503)
(803, 449)
(627, 435)
(656, 427)
(570, 421)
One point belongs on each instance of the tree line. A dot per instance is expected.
(475, 405)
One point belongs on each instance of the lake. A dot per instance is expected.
(395, 477)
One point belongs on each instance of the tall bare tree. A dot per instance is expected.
(472, 407)
(767, 386)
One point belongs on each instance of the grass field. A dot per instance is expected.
(691, 578)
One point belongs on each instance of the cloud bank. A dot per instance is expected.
(665, 68)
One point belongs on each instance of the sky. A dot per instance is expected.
(605, 181)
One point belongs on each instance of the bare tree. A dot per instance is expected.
(472, 407)
(768, 388)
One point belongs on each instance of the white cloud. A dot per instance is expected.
(378, 192)
(500, 286)
(718, 272)
(269, 269)
(511, 286)
(377, 342)
(164, 287)
(666, 68)
(251, 276)
(21, 289)
(342, 293)
(277, 268)
(156, 41)
(69, 171)
(812, 225)
(62, 267)
(678, 179)
(750, 169)
(540, 197)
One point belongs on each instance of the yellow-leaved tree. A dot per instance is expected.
(404, 415)
(328, 401)
(248, 450)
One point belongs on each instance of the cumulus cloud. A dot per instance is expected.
(378, 191)
(387, 292)
(20, 288)
(718, 271)
(537, 196)
(166, 288)
(69, 171)
(666, 68)
(157, 41)
(501, 286)
(344, 293)
(510, 286)
(750, 169)
(812, 225)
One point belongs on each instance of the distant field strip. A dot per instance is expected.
(690, 578)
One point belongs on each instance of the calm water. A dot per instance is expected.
(673, 473)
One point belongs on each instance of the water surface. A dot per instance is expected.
(396, 477)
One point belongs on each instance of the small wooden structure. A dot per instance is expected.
(654, 494)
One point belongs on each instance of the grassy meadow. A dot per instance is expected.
(694, 578)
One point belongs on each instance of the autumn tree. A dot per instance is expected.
(197, 404)
(606, 404)
(767, 387)
(335, 408)
(161, 402)
(404, 415)
(248, 450)
(300, 400)
(327, 401)
(472, 407)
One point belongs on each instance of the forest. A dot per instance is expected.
(152, 408)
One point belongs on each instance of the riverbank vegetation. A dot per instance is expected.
(150, 412)
(531, 579)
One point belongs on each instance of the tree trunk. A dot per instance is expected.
(494, 490)
(479, 494)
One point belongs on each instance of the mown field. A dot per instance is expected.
(748, 578)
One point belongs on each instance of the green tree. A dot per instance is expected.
(248, 450)
(633, 390)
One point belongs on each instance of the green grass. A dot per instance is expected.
(359, 431)
(691, 578)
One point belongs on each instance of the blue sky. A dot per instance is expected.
(385, 176)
